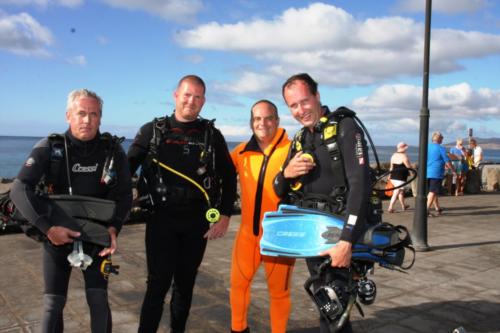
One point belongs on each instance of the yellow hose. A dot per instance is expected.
(185, 177)
(212, 214)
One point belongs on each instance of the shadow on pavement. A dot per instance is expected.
(468, 208)
(453, 246)
(473, 316)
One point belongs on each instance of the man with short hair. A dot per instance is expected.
(477, 152)
(437, 159)
(83, 168)
(311, 176)
(257, 162)
(189, 177)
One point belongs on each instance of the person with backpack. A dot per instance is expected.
(189, 181)
(80, 162)
(327, 170)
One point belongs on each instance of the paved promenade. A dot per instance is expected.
(455, 284)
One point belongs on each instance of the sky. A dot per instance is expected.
(366, 55)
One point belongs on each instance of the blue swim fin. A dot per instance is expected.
(287, 209)
(303, 233)
(293, 232)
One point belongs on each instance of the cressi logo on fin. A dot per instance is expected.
(332, 235)
(292, 234)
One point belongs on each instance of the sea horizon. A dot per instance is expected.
(14, 150)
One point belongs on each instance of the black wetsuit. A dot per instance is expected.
(174, 233)
(319, 180)
(86, 160)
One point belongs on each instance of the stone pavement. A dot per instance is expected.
(455, 284)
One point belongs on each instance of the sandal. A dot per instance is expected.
(406, 207)
(390, 211)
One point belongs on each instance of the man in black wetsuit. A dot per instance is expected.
(184, 159)
(310, 163)
(80, 173)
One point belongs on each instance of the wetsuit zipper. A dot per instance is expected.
(260, 187)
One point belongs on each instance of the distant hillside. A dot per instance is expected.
(485, 143)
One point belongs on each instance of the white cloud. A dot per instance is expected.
(460, 99)
(22, 34)
(295, 29)
(249, 83)
(172, 10)
(338, 49)
(43, 3)
(79, 60)
(235, 131)
(443, 6)
(396, 108)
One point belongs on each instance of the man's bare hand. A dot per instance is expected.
(61, 235)
(219, 229)
(341, 254)
(112, 248)
(299, 165)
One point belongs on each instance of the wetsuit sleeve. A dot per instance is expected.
(226, 172)
(357, 171)
(138, 150)
(23, 193)
(122, 192)
(281, 185)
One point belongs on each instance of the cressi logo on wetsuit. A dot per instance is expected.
(80, 168)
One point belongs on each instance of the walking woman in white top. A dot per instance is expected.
(399, 174)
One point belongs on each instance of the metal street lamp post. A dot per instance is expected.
(419, 231)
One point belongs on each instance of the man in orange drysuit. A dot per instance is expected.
(257, 163)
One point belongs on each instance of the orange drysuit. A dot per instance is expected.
(256, 171)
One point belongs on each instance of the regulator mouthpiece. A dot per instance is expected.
(77, 258)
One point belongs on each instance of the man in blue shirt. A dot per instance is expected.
(437, 158)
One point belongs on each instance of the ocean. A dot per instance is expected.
(14, 151)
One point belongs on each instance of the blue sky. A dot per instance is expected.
(366, 55)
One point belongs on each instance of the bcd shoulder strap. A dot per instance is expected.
(161, 127)
(56, 144)
(328, 127)
(57, 155)
(111, 142)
